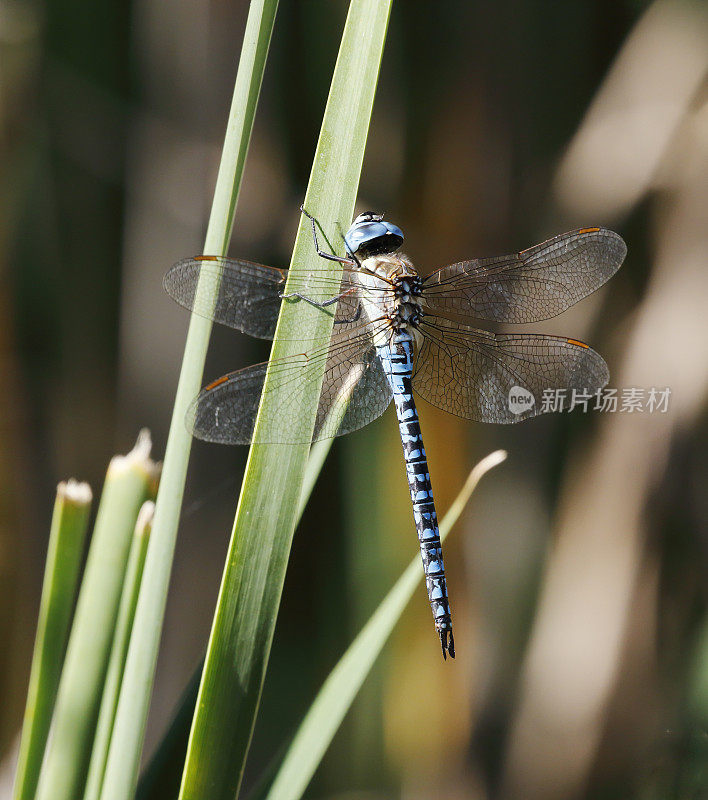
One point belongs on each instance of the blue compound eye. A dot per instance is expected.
(369, 235)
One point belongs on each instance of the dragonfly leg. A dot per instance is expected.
(321, 253)
(315, 303)
(324, 303)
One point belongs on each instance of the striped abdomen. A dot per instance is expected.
(397, 360)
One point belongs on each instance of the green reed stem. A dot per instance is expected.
(116, 663)
(61, 572)
(130, 480)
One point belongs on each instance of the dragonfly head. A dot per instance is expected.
(369, 236)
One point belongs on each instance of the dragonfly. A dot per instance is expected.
(395, 333)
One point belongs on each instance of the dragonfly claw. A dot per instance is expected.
(448, 645)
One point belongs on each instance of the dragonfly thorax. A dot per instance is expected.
(394, 290)
(407, 288)
(396, 269)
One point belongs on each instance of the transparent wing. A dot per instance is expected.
(533, 285)
(470, 372)
(354, 393)
(248, 296)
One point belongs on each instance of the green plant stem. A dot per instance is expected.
(129, 482)
(251, 588)
(136, 689)
(66, 543)
(339, 690)
(116, 663)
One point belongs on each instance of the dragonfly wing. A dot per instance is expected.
(470, 372)
(533, 285)
(247, 295)
(354, 392)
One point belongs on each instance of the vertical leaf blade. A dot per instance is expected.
(250, 592)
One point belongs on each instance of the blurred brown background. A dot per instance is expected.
(578, 576)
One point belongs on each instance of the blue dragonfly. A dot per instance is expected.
(395, 333)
